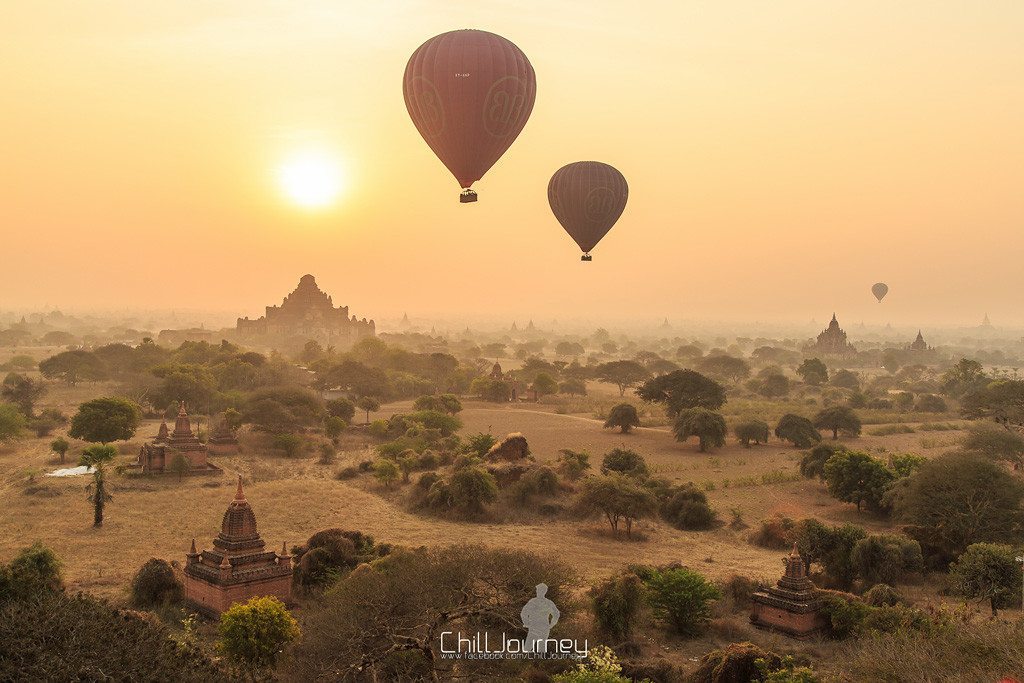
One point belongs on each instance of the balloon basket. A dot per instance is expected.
(467, 197)
(586, 257)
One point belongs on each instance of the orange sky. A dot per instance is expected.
(782, 157)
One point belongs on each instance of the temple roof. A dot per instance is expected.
(238, 527)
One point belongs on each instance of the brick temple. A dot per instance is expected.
(238, 567)
(157, 457)
(223, 440)
(792, 606)
(832, 341)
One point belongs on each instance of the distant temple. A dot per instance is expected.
(306, 313)
(237, 567)
(832, 340)
(158, 457)
(223, 440)
(919, 344)
(792, 606)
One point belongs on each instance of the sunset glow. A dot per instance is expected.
(311, 180)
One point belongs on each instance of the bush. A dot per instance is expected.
(341, 408)
(288, 444)
(617, 603)
(625, 462)
(328, 555)
(708, 426)
(987, 571)
(751, 430)
(681, 597)
(687, 508)
(155, 584)
(775, 532)
(386, 471)
(883, 594)
(930, 403)
(886, 559)
(472, 488)
(623, 416)
(254, 632)
(350, 472)
(813, 462)
(35, 570)
(573, 464)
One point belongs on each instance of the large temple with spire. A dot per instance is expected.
(238, 567)
(832, 341)
(307, 313)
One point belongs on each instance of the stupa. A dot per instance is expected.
(157, 457)
(792, 606)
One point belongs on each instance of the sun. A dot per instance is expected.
(311, 179)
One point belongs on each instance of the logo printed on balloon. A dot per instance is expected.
(599, 202)
(504, 104)
(427, 100)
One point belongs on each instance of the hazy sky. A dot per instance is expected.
(782, 156)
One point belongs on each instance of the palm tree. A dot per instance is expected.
(96, 457)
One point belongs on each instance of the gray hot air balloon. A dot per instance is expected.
(879, 289)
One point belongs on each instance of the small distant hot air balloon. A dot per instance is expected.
(469, 93)
(587, 197)
(879, 289)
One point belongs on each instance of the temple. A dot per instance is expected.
(832, 341)
(238, 567)
(792, 606)
(919, 344)
(223, 440)
(158, 457)
(307, 313)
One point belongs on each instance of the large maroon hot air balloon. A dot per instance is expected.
(587, 197)
(469, 93)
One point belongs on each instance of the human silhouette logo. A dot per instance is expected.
(539, 615)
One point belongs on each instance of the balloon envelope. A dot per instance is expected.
(469, 93)
(587, 197)
(879, 289)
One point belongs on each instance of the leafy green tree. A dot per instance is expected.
(626, 462)
(73, 367)
(573, 464)
(180, 465)
(622, 373)
(368, 404)
(103, 420)
(813, 371)
(386, 471)
(905, 464)
(813, 462)
(341, 407)
(22, 391)
(963, 378)
(886, 559)
(682, 598)
(994, 442)
(12, 422)
(334, 426)
(748, 431)
(623, 416)
(544, 385)
(829, 546)
(707, 425)
(681, 390)
(798, 430)
(472, 488)
(1002, 401)
(254, 633)
(97, 457)
(855, 477)
(838, 419)
(987, 571)
(958, 499)
(479, 443)
(60, 446)
(687, 508)
(494, 390)
(618, 498)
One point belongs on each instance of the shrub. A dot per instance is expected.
(386, 471)
(886, 559)
(617, 603)
(681, 597)
(350, 472)
(35, 570)
(254, 632)
(930, 403)
(573, 464)
(883, 594)
(774, 532)
(341, 408)
(987, 571)
(288, 444)
(327, 454)
(625, 462)
(829, 546)
(155, 584)
(480, 444)
(472, 488)
(328, 555)
(751, 430)
(812, 464)
(687, 508)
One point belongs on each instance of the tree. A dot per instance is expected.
(573, 464)
(963, 378)
(813, 371)
(930, 403)
(751, 430)
(544, 385)
(773, 385)
(626, 462)
(180, 465)
(813, 462)
(798, 430)
(619, 498)
(838, 419)
(623, 416)
(386, 471)
(994, 442)
(494, 390)
(885, 559)
(573, 386)
(155, 584)
(472, 488)
(35, 570)
(103, 420)
(959, 499)
(707, 425)
(617, 602)
(22, 391)
(254, 633)
(341, 407)
(728, 368)
(683, 389)
(567, 348)
(681, 597)
(845, 379)
(687, 508)
(329, 555)
(987, 571)
(1002, 401)
(60, 446)
(905, 464)
(97, 457)
(12, 422)
(622, 373)
(73, 367)
(369, 404)
(829, 546)
(858, 478)
(334, 426)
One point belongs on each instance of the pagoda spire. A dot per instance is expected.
(239, 494)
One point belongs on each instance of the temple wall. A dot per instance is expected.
(211, 600)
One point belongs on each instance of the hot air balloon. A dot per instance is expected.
(587, 197)
(469, 93)
(879, 289)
